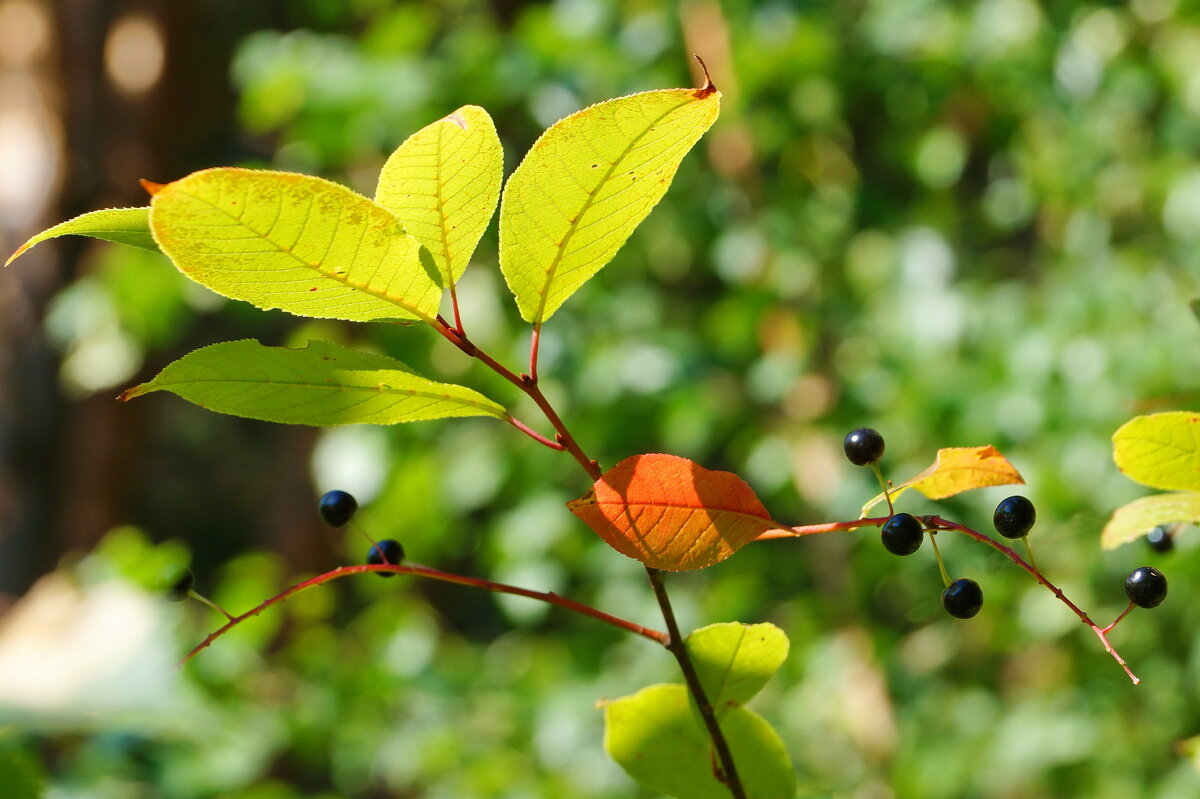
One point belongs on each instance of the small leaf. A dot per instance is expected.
(295, 242)
(735, 660)
(322, 384)
(955, 470)
(586, 184)
(671, 513)
(443, 183)
(1161, 450)
(121, 225)
(1142, 515)
(661, 743)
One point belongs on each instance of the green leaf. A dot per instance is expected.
(443, 183)
(735, 660)
(322, 384)
(586, 184)
(1142, 515)
(1161, 450)
(295, 242)
(121, 225)
(21, 774)
(660, 741)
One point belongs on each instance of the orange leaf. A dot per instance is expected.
(957, 469)
(671, 513)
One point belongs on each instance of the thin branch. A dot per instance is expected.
(727, 774)
(536, 436)
(433, 574)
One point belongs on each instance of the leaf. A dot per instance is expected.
(1161, 450)
(584, 186)
(121, 225)
(671, 513)
(735, 660)
(955, 470)
(23, 776)
(322, 384)
(295, 242)
(1142, 515)
(443, 183)
(660, 742)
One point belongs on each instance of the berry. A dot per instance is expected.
(863, 446)
(1160, 539)
(963, 598)
(337, 508)
(177, 582)
(1014, 517)
(386, 551)
(902, 534)
(1146, 587)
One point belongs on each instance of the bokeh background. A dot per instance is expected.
(959, 222)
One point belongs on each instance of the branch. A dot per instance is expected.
(432, 574)
(938, 523)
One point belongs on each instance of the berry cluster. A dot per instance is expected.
(1013, 518)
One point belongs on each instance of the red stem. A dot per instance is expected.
(938, 523)
(536, 436)
(534, 341)
(433, 574)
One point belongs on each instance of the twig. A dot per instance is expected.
(433, 574)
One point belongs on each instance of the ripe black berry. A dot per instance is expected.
(177, 582)
(1014, 517)
(963, 598)
(1159, 539)
(902, 534)
(1146, 587)
(863, 446)
(386, 551)
(337, 508)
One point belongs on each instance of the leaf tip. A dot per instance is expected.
(17, 254)
(150, 186)
(709, 88)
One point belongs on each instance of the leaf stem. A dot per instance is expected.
(534, 341)
(432, 574)
(536, 436)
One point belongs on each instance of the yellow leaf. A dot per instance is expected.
(586, 184)
(1143, 515)
(957, 469)
(1161, 450)
(443, 183)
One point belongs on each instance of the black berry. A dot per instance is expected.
(337, 508)
(902, 534)
(963, 598)
(1146, 587)
(177, 582)
(1159, 539)
(1014, 517)
(386, 551)
(863, 446)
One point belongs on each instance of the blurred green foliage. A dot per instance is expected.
(960, 223)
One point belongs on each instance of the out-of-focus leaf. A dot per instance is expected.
(1161, 450)
(322, 384)
(586, 184)
(657, 737)
(443, 183)
(21, 776)
(1142, 515)
(671, 513)
(295, 242)
(121, 225)
(954, 470)
(735, 660)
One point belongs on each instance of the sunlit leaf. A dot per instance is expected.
(443, 183)
(322, 384)
(671, 513)
(735, 660)
(954, 470)
(585, 186)
(659, 740)
(295, 242)
(1161, 450)
(121, 225)
(1142, 515)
